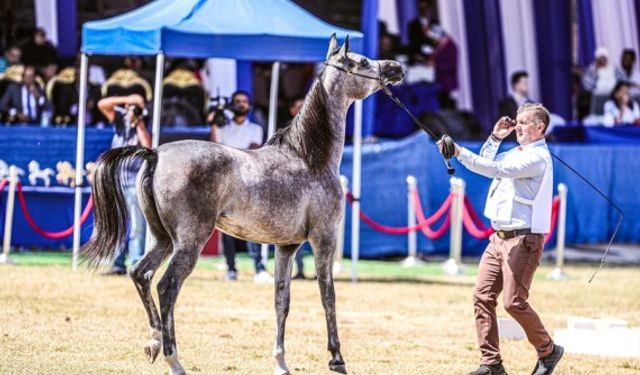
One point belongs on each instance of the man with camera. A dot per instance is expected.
(240, 133)
(127, 113)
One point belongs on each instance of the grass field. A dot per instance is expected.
(395, 321)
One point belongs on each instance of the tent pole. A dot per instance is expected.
(157, 101)
(82, 110)
(356, 189)
(271, 127)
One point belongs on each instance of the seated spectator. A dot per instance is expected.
(631, 74)
(25, 102)
(601, 76)
(620, 108)
(519, 95)
(11, 57)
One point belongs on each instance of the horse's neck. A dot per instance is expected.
(320, 126)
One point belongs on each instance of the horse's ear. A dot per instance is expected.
(333, 46)
(345, 47)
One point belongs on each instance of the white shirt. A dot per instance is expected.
(606, 80)
(613, 116)
(240, 135)
(520, 195)
(28, 100)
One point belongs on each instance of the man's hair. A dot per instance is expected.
(630, 52)
(240, 92)
(540, 113)
(516, 76)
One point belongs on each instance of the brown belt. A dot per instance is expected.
(507, 234)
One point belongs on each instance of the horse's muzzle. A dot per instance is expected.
(392, 72)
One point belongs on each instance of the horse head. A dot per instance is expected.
(359, 75)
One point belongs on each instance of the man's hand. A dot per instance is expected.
(448, 150)
(503, 127)
(135, 99)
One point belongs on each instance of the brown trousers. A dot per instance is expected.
(508, 266)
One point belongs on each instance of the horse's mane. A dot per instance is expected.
(310, 133)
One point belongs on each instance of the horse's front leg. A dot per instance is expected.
(284, 255)
(325, 245)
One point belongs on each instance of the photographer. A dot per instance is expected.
(126, 113)
(240, 133)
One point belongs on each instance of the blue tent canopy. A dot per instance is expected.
(239, 29)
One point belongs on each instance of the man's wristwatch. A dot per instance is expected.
(495, 139)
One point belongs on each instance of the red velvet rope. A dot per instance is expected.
(433, 234)
(50, 235)
(468, 213)
(423, 222)
(554, 218)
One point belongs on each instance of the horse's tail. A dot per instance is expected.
(111, 216)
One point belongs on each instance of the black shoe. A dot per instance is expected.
(115, 272)
(299, 276)
(546, 365)
(495, 369)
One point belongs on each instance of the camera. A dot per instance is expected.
(219, 104)
(138, 111)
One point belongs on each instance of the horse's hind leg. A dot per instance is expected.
(189, 239)
(158, 249)
(284, 255)
(325, 245)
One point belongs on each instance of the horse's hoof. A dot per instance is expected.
(340, 368)
(151, 349)
(280, 371)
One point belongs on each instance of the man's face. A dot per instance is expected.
(39, 38)
(522, 86)
(13, 56)
(528, 129)
(627, 61)
(241, 104)
(28, 76)
(423, 9)
(601, 61)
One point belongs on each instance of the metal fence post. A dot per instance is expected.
(453, 266)
(8, 217)
(558, 272)
(337, 260)
(412, 239)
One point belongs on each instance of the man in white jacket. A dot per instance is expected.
(519, 206)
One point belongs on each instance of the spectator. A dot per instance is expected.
(12, 56)
(631, 74)
(39, 51)
(129, 130)
(429, 43)
(601, 76)
(621, 108)
(25, 102)
(519, 95)
(420, 42)
(243, 134)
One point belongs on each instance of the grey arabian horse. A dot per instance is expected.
(284, 193)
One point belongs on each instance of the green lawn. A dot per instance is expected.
(371, 268)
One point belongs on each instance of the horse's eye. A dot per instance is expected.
(351, 65)
(364, 63)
